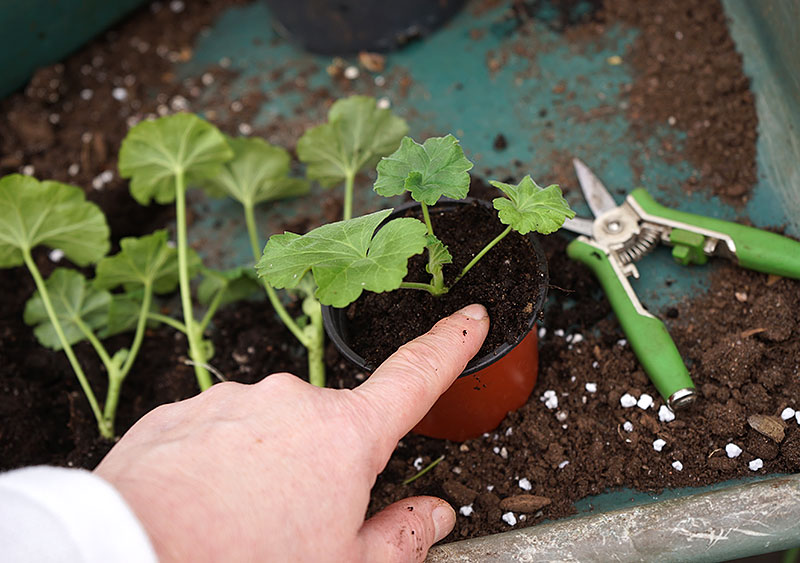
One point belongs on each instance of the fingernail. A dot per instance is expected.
(444, 519)
(475, 312)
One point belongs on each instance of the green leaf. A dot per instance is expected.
(438, 255)
(154, 152)
(123, 314)
(74, 301)
(345, 257)
(49, 213)
(147, 259)
(532, 208)
(356, 135)
(237, 283)
(258, 173)
(437, 168)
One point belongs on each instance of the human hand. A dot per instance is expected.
(282, 471)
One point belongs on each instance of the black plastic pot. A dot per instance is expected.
(348, 26)
(489, 387)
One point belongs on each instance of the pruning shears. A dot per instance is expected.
(620, 235)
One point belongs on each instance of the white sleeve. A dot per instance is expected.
(67, 515)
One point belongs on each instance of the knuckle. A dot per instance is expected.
(221, 390)
(421, 356)
(277, 382)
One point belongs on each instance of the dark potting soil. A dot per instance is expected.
(741, 337)
(689, 76)
(507, 281)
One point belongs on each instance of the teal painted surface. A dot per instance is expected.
(37, 33)
(452, 90)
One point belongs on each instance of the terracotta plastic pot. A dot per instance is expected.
(489, 387)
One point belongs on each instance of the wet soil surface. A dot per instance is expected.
(741, 338)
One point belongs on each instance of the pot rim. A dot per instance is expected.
(331, 316)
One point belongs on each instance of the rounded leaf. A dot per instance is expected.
(154, 152)
(257, 173)
(52, 214)
(356, 135)
(531, 208)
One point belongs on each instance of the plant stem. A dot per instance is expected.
(316, 346)
(250, 220)
(791, 555)
(480, 254)
(195, 348)
(116, 377)
(437, 278)
(427, 217)
(76, 367)
(169, 321)
(430, 466)
(97, 345)
(212, 308)
(423, 286)
(140, 328)
(349, 179)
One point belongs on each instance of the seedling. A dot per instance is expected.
(349, 257)
(160, 157)
(258, 173)
(356, 136)
(67, 308)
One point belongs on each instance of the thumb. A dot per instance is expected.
(405, 530)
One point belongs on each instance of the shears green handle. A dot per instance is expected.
(646, 334)
(757, 250)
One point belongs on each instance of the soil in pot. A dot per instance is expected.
(506, 281)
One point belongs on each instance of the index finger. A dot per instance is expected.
(404, 388)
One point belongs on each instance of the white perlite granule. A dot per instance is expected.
(591, 387)
(788, 413)
(645, 401)
(756, 464)
(665, 414)
(524, 484)
(733, 450)
(466, 510)
(550, 399)
(677, 465)
(119, 94)
(510, 519)
(627, 400)
(659, 444)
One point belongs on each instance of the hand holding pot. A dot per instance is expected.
(282, 471)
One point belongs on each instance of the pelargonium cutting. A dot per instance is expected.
(352, 256)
